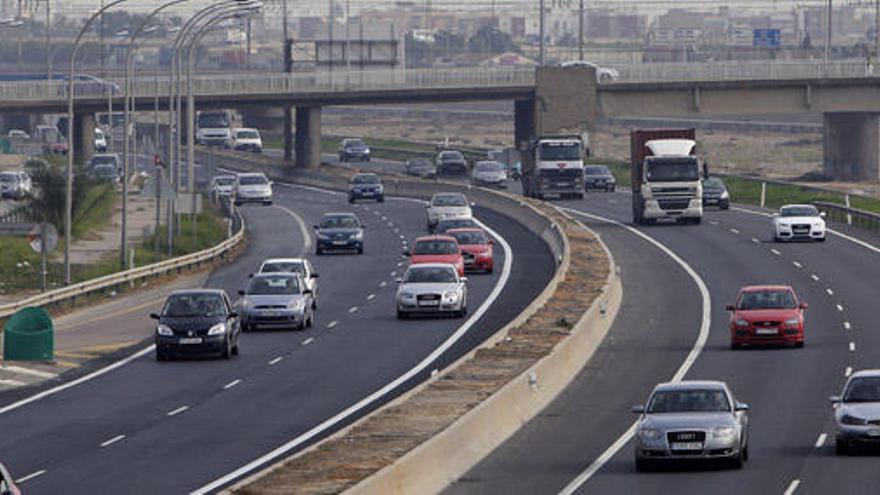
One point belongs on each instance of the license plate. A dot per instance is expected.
(562, 184)
(340, 243)
(271, 313)
(687, 446)
(367, 193)
(429, 303)
(193, 340)
(767, 331)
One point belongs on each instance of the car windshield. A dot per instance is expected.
(713, 183)
(194, 305)
(489, 167)
(436, 247)
(672, 169)
(247, 135)
(284, 267)
(419, 162)
(102, 160)
(692, 400)
(105, 170)
(863, 389)
(560, 151)
(767, 299)
(8, 177)
(430, 275)
(208, 120)
(252, 180)
(596, 170)
(354, 143)
(339, 222)
(365, 179)
(799, 211)
(449, 200)
(454, 223)
(451, 155)
(470, 238)
(274, 285)
(225, 181)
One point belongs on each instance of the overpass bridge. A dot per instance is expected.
(547, 99)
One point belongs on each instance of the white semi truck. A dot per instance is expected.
(665, 176)
(556, 168)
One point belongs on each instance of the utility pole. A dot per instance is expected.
(828, 32)
(876, 31)
(48, 40)
(541, 33)
(247, 55)
(347, 40)
(330, 21)
(581, 31)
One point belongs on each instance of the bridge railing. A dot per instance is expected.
(747, 70)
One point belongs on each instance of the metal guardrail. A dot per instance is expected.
(752, 70)
(861, 219)
(19, 214)
(89, 287)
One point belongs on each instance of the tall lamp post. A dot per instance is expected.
(68, 206)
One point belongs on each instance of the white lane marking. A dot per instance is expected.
(332, 324)
(391, 224)
(73, 383)
(776, 252)
(847, 371)
(353, 309)
(387, 388)
(734, 231)
(713, 222)
(308, 341)
(396, 229)
(231, 384)
(307, 236)
(179, 410)
(399, 263)
(697, 348)
(792, 487)
(847, 325)
(821, 440)
(756, 240)
(371, 297)
(383, 283)
(797, 264)
(814, 277)
(393, 273)
(28, 371)
(112, 441)
(402, 236)
(852, 347)
(829, 292)
(35, 474)
(839, 307)
(384, 218)
(275, 361)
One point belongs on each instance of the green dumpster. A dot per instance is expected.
(29, 335)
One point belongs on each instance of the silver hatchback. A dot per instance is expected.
(691, 420)
(857, 412)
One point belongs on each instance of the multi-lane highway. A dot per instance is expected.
(150, 427)
(580, 442)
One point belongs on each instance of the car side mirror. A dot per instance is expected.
(240, 292)
(398, 280)
(154, 316)
(834, 399)
(741, 407)
(473, 204)
(823, 214)
(315, 227)
(407, 254)
(232, 314)
(730, 307)
(250, 275)
(803, 305)
(638, 409)
(307, 291)
(315, 275)
(463, 280)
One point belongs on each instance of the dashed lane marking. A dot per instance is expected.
(35, 474)
(852, 347)
(847, 371)
(179, 410)
(275, 361)
(821, 440)
(792, 487)
(847, 325)
(797, 264)
(814, 277)
(308, 341)
(332, 324)
(112, 441)
(776, 252)
(231, 384)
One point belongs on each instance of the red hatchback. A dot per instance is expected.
(437, 249)
(476, 247)
(767, 314)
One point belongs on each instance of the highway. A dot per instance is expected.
(149, 427)
(657, 329)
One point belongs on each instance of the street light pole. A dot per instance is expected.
(581, 31)
(541, 33)
(829, 13)
(68, 202)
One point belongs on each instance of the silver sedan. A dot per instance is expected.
(691, 420)
(431, 288)
(276, 300)
(857, 412)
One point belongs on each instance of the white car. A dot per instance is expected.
(430, 289)
(18, 134)
(223, 185)
(100, 141)
(253, 188)
(603, 74)
(302, 266)
(245, 139)
(447, 205)
(798, 222)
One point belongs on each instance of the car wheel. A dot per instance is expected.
(822, 239)
(161, 355)
(841, 447)
(745, 453)
(319, 251)
(401, 315)
(490, 270)
(799, 345)
(734, 346)
(643, 465)
(360, 250)
(314, 304)
(351, 200)
(736, 462)
(382, 200)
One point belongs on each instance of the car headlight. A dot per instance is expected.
(297, 305)
(791, 323)
(784, 226)
(407, 295)
(323, 237)
(164, 330)
(725, 195)
(848, 419)
(359, 236)
(218, 329)
(451, 295)
(741, 323)
(724, 432)
(649, 434)
(484, 254)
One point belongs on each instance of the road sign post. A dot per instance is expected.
(43, 238)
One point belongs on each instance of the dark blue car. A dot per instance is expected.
(339, 232)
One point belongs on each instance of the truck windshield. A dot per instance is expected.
(672, 169)
(560, 151)
(213, 120)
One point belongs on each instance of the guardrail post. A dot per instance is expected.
(848, 215)
(763, 194)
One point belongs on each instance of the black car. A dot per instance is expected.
(715, 193)
(445, 224)
(199, 321)
(420, 167)
(353, 149)
(366, 186)
(451, 162)
(599, 177)
(339, 232)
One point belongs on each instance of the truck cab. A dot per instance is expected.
(214, 127)
(666, 176)
(558, 168)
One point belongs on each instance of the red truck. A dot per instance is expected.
(665, 174)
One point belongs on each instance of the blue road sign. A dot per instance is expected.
(767, 37)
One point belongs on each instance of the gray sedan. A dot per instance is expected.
(276, 300)
(691, 420)
(431, 288)
(857, 412)
(489, 174)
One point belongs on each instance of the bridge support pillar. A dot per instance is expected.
(287, 133)
(851, 143)
(307, 145)
(83, 136)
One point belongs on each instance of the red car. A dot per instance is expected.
(476, 247)
(767, 314)
(437, 249)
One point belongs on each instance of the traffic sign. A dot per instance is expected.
(42, 231)
(767, 37)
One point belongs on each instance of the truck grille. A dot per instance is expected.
(674, 203)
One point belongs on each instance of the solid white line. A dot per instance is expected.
(776, 252)
(231, 384)
(814, 277)
(371, 297)
(797, 264)
(792, 487)
(821, 440)
(36, 474)
(846, 325)
(353, 309)
(307, 237)
(308, 341)
(713, 222)
(839, 307)
(332, 324)
(756, 240)
(112, 440)
(852, 347)
(847, 371)
(28, 371)
(387, 388)
(829, 292)
(734, 231)
(178, 410)
(697, 348)
(275, 361)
